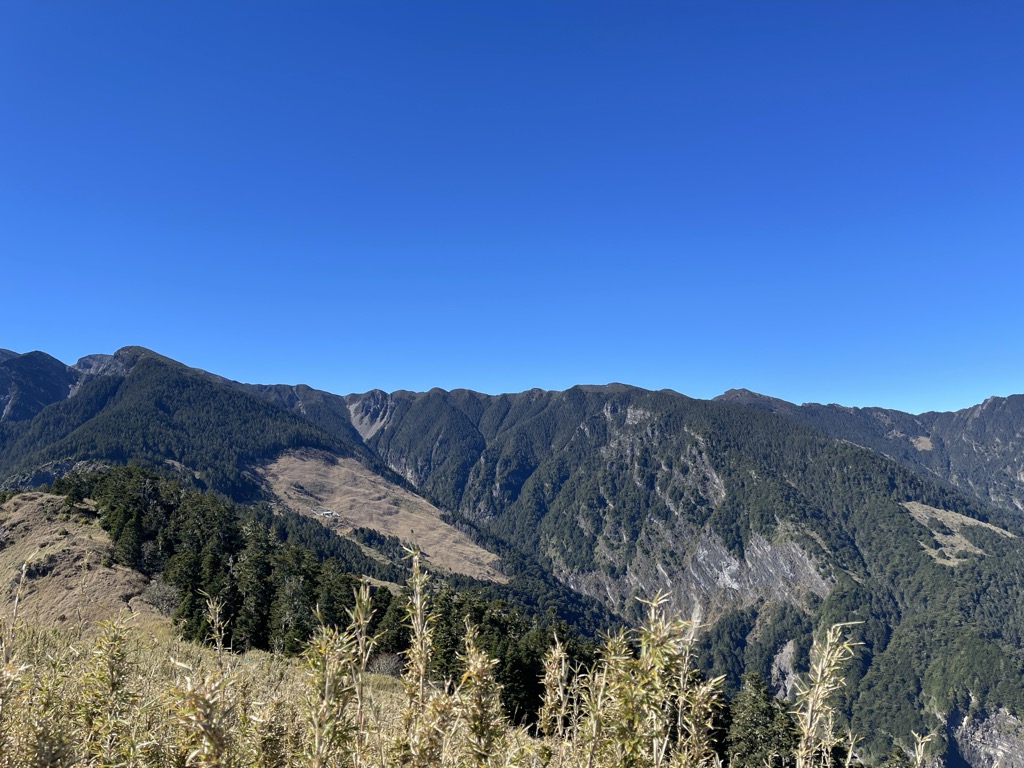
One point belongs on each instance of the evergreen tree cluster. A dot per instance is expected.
(268, 572)
(278, 576)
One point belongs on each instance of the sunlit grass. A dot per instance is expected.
(112, 695)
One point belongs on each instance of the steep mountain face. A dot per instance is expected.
(598, 482)
(979, 450)
(748, 519)
(30, 382)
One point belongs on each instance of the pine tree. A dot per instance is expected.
(761, 733)
(252, 574)
(292, 617)
(335, 594)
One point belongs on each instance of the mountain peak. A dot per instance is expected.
(132, 354)
(117, 364)
(754, 400)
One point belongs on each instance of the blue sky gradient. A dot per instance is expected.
(820, 201)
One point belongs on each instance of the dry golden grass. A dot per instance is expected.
(948, 535)
(119, 697)
(67, 581)
(307, 480)
(111, 695)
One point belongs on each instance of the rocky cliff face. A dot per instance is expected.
(371, 412)
(702, 578)
(988, 741)
(102, 365)
(30, 382)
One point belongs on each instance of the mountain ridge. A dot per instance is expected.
(763, 518)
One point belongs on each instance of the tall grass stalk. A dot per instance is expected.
(330, 658)
(641, 705)
(361, 614)
(10, 671)
(427, 717)
(478, 706)
(815, 713)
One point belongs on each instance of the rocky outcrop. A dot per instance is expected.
(993, 741)
(370, 412)
(703, 579)
(101, 365)
(30, 382)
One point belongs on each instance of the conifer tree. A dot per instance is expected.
(761, 733)
(252, 574)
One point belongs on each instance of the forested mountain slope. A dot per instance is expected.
(749, 519)
(30, 382)
(979, 450)
(137, 405)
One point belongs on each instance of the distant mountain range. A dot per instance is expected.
(763, 519)
(979, 450)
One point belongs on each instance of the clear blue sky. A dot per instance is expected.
(821, 201)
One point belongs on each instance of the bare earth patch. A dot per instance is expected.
(922, 443)
(66, 580)
(945, 527)
(343, 494)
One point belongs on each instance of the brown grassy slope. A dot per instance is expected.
(311, 480)
(66, 580)
(949, 539)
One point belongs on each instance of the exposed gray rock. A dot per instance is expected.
(100, 365)
(783, 675)
(703, 579)
(995, 741)
(371, 413)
